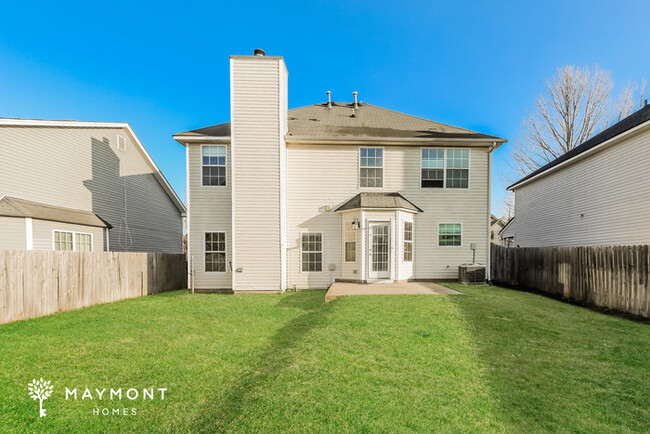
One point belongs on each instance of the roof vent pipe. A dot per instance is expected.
(329, 99)
(356, 103)
(259, 52)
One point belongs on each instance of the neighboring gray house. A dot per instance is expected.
(595, 194)
(293, 199)
(69, 185)
(496, 225)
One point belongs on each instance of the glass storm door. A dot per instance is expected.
(379, 251)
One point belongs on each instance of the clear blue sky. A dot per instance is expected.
(163, 67)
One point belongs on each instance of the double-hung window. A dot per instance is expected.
(213, 165)
(433, 168)
(312, 251)
(63, 240)
(445, 168)
(350, 243)
(457, 168)
(450, 234)
(72, 241)
(371, 167)
(215, 252)
(408, 241)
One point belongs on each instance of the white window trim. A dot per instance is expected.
(225, 252)
(444, 170)
(404, 241)
(74, 240)
(225, 165)
(345, 240)
(462, 236)
(322, 250)
(383, 164)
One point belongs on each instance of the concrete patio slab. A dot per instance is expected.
(341, 289)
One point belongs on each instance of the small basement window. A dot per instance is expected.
(312, 252)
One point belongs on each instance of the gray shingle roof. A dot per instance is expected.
(321, 122)
(15, 207)
(366, 200)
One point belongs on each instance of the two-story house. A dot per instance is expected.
(292, 199)
(83, 186)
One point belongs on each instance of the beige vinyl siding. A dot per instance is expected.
(210, 211)
(12, 233)
(610, 188)
(42, 231)
(256, 142)
(322, 176)
(82, 168)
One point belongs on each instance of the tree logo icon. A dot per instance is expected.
(40, 390)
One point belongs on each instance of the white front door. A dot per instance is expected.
(379, 250)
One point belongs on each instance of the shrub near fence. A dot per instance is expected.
(36, 283)
(614, 277)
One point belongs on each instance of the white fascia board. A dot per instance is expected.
(186, 140)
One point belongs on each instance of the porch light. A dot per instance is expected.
(355, 224)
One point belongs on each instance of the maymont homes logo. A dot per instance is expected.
(41, 390)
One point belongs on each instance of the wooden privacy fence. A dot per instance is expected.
(614, 277)
(36, 283)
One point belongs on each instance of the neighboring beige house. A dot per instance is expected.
(496, 225)
(293, 199)
(83, 186)
(595, 194)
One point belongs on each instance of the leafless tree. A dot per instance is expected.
(575, 105)
(631, 98)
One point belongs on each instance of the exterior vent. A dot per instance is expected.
(121, 143)
(471, 274)
(259, 52)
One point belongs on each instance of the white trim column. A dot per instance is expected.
(29, 233)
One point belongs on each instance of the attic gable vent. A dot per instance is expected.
(121, 143)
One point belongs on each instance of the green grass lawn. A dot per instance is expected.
(489, 360)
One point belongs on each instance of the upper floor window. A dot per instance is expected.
(433, 168)
(213, 165)
(371, 167)
(449, 172)
(457, 168)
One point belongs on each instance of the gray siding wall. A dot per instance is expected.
(599, 200)
(12, 233)
(82, 168)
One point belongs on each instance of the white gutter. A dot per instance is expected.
(185, 140)
(353, 140)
